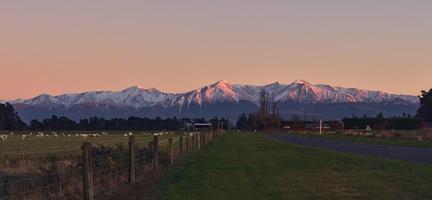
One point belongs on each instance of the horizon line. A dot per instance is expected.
(208, 84)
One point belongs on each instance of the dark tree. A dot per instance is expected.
(425, 110)
(36, 125)
(9, 119)
(242, 123)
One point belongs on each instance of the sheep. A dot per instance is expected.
(11, 133)
(146, 134)
(159, 134)
(130, 133)
(4, 137)
(125, 134)
(95, 135)
(105, 133)
(84, 136)
(69, 135)
(24, 136)
(191, 133)
(54, 134)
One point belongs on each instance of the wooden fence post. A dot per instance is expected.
(198, 142)
(181, 144)
(132, 159)
(171, 151)
(187, 145)
(87, 171)
(155, 151)
(202, 140)
(193, 144)
(205, 138)
(210, 137)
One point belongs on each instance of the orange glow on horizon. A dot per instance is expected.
(56, 47)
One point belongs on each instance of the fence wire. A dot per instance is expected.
(58, 174)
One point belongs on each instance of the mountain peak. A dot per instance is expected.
(300, 82)
(224, 82)
(221, 83)
(132, 88)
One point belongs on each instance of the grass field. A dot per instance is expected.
(374, 140)
(246, 166)
(15, 145)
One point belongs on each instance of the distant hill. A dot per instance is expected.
(220, 99)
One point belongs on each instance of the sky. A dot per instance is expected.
(60, 47)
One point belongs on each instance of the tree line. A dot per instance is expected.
(9, 120)
(131, 123)
(404, 122)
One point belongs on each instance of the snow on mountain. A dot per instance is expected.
(133, 96)
(222, 91)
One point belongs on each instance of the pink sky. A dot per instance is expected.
(57, 47)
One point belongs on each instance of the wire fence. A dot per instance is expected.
(92, 172)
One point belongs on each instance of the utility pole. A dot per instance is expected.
(321, 127)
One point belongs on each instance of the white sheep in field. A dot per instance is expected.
(4, 137)
(24, 136)
(105, 133)
(40, 134)
(69, 135)
(130, 133)
(11, 133)
(95, 135)
(125, 134)
(158, 134)
(84, 136)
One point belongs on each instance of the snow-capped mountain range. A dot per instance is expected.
(219, 99)
(222, 91)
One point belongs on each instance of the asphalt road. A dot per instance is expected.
(411, 154)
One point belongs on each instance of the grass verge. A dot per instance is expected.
(251, 166)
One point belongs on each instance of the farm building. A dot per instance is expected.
(198, 126)
(311, 125)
